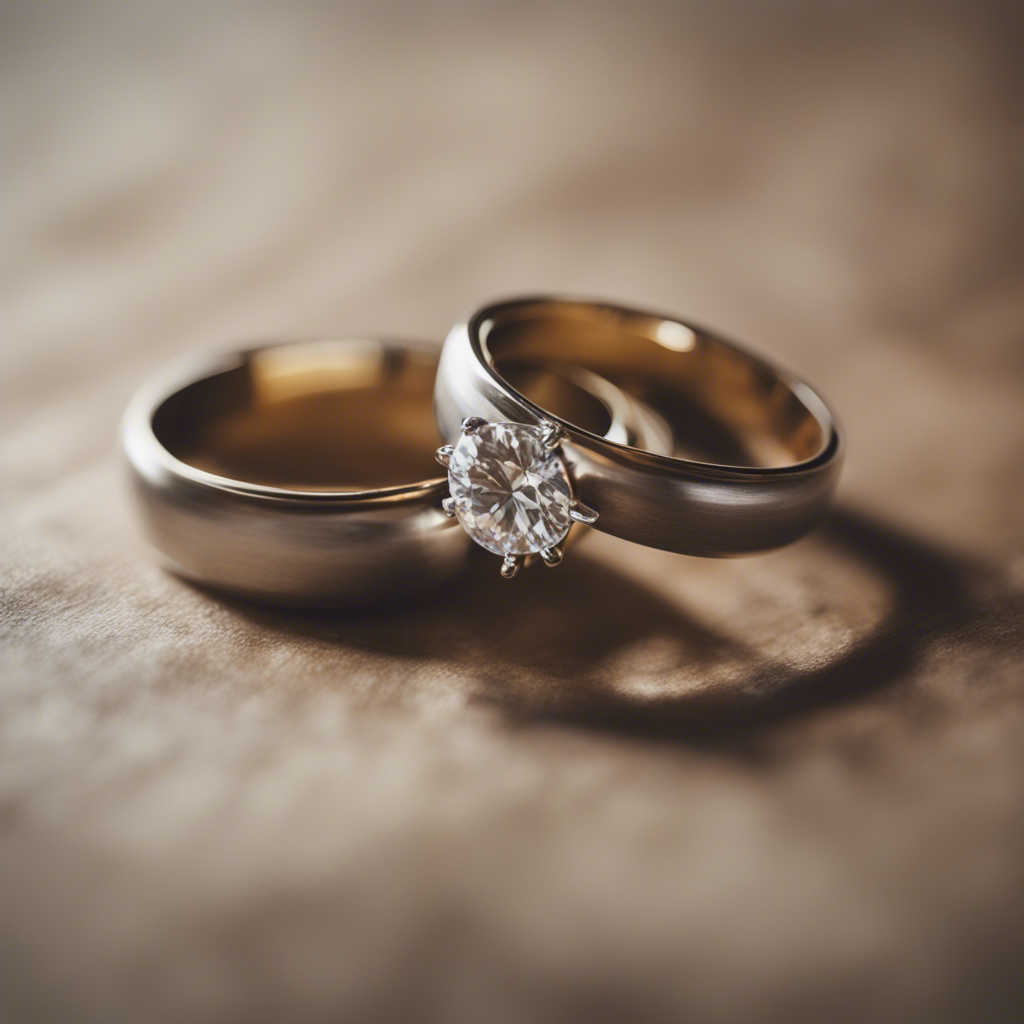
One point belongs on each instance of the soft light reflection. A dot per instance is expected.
(675, 336)
(289, 371)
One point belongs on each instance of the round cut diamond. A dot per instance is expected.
(510, 493)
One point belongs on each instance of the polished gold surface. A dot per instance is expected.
(723, 404)
(753, 454)
(325, 417)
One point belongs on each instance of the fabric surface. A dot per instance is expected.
(640, 786)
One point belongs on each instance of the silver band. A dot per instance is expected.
(304, 471)
(755, 453)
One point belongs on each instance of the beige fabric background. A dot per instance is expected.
(788, 788)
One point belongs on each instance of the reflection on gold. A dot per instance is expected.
(332, 415)
(338, 440)
(675, 336)
(288, 371)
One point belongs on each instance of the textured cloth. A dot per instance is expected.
(641, 786)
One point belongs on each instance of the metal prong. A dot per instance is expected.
(444, 454)
(582, 513)
(510, 565)
(552, 556)
(553, 434)
(471, 424)
(448, 507)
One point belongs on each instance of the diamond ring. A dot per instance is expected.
(752, 458)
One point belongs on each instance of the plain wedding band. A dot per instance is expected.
(754, 455)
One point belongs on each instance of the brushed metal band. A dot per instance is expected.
(303, 471)
(754, 456)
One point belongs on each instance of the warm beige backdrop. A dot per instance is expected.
(789, 788)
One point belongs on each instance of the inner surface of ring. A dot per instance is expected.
(720, 404)
(339, 416)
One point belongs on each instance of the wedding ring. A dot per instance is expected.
(751, 461)
(303, 471)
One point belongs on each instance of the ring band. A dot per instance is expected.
(303, 471)
(755, 453)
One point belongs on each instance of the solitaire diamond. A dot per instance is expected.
(509, 489)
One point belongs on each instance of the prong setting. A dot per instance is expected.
(471, 424)
(510, 566)
(443, 455)
(581, 513)
(552, 436)
(552, 556)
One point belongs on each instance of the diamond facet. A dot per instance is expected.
(510, 492)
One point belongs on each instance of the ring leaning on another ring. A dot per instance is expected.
(301, 471)
(518, 474)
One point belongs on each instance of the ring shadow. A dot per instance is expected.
(538, 646)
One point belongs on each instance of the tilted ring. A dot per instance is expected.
(303, 471)
(752, 460)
